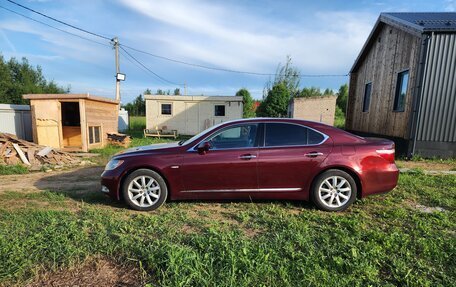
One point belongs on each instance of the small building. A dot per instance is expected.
(403, 83)
(76, 122)
(318, 109)
(190, 115)
(16, 120)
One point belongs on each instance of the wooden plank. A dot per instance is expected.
(21, 154)
(31, 156)
(45, 151)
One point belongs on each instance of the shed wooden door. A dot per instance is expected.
(46, 119)
(48, 133)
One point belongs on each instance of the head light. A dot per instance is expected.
(113, 163)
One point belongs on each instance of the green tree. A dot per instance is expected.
(138, 106)
(328, 92)
(278, 93)
(289, 76)
(19, 78)
(310, 92)
(276, 102)
(342, 98)
(177, 92)
(248, 108)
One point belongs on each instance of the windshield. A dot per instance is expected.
(200, 134)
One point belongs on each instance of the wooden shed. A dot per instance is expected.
(76, 122)
(403, 83)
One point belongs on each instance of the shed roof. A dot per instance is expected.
(416, 23)
(194, 98)
(69, 97)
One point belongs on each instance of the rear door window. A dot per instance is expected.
(284, 134)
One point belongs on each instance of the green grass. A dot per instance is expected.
(137, 123)
(13, 169)
(381, 241)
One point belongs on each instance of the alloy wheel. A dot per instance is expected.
(144, 191)
(335, 191)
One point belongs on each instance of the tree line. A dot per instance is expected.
(19, 77)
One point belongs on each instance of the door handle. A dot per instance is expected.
(313, 154)
(247, 156)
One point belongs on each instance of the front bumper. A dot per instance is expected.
(110, 183)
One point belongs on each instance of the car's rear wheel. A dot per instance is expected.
(334, 190)
(144, 190)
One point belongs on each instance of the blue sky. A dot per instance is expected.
(322, 37)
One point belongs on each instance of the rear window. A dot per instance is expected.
(282, 134)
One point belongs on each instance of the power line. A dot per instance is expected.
(155, 55)
(223, 69)
(53, 27)
(134, 62)
(148, 69)
(59, 21)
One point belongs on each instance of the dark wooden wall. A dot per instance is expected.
(392, 51)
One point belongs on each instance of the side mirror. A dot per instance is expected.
(204, 147)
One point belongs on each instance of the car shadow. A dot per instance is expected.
(83, 185)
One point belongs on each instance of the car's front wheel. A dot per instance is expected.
(144, 190)
(334, 190)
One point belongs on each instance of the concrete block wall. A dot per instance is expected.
(317, 109)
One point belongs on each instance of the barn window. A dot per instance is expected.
(219, 111)
(166, 109)
(367, 96)
(94, 134)
(401, 91)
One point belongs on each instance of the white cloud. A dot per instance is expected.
(211, 34)
(450, 5)
(61, 45)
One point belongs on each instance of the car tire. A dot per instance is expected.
(144, 190)
(333, 190)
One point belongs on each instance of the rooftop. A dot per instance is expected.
(68, 97)
(423, 21)
(193, 98)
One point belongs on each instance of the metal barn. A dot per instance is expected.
(403, 83)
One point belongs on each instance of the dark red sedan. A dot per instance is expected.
(255, 159)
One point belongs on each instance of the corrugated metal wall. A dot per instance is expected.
(437, 117)
(16, 119)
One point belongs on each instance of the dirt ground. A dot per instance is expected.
(98, 272)
(426, 165)
(84, 178)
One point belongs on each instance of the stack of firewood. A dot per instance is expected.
(119, 139)
(17, 151)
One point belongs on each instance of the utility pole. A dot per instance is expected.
(185, 89)
(116, 48)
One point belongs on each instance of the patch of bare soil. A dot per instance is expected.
(426, 165)
(84, 178)
(429, 209)
(95, 272)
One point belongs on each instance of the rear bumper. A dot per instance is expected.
(380, 180)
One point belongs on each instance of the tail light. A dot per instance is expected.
(387, 154)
